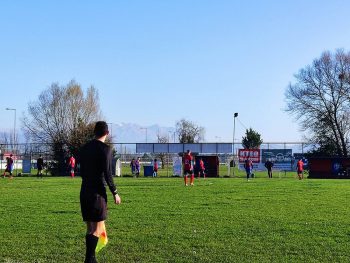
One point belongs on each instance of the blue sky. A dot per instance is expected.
(155, 62)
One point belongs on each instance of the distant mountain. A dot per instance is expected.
(134, 133)
(122, 133)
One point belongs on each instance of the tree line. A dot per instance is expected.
(63, 116)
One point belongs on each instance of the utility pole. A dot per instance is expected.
(235, 115)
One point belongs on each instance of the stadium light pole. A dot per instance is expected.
(235, 115)
(14, 126)
(168, 155)
(144, 128)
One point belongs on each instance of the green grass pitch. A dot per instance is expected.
(160, 220)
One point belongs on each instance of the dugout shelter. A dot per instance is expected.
(211, 164)
(207, 151)
(329, 167)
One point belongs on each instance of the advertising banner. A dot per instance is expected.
(14, 157)
(26, 166)
(118, 167)
(252, 154)
(277, 155)
(282, 158)
(177, 166)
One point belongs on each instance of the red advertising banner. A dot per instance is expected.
(252, 154)
(14, 157)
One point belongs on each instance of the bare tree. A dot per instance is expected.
(189, 132)
(62, 116)
(7, 138)
(320, 101)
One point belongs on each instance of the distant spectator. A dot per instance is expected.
(269, 165)
(155, 168)
(9, 166)
(133, 166)
(137, 166)
(40, 166)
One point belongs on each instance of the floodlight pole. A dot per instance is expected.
(167, 169)
(233, 142)
(14, 127)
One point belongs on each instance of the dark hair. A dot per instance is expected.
(101, 129)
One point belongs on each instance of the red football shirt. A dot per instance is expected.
(72, 162)
(300, 165)
(201, 165)
(188, 162)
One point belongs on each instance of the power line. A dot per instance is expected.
(242, 124)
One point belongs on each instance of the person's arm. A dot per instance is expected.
(109, 178)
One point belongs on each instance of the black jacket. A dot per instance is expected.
(96, 167)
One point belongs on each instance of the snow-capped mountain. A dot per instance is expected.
(134, 133)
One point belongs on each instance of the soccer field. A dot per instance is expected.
(160, 220)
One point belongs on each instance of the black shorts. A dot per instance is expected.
(186, 172)
(93, 206)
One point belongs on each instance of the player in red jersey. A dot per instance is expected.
(72, 165)
(201, 168)
(300, 169)
(188, 167)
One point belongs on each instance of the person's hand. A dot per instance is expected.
(117, 199)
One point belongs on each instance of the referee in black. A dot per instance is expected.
(96, 170)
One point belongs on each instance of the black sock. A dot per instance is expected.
(91, 242)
